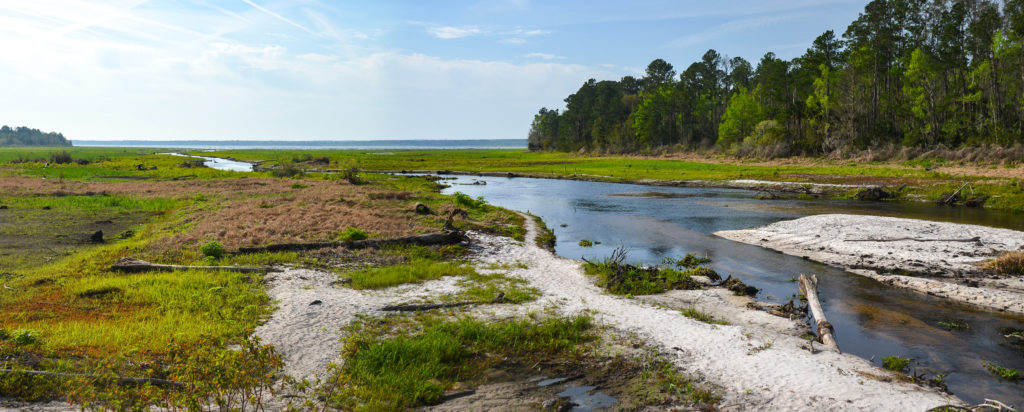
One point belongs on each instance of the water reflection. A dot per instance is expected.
(871, 319)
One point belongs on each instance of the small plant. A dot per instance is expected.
(468, 202)
(1009, 264)
(199, 197)
(212, 249)
(351, 175)
(3, 334)
(1009, 374)
(25, 337)
(688, 261)
(453, 251)
(586, 243)
(298, 185)
(351, 234)
(954, 325)
(287, 170)
(697, 314)
(896, 363)
(61, 158)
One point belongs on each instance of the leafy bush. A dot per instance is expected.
(896, 363)
(25, 337)
(468, 202)
(352, 176)
(287, 170)
(212, 249)
(61, 158)
(351, 234)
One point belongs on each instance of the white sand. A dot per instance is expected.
(783, 377)
(881, 248)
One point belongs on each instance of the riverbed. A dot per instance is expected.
(872, 320)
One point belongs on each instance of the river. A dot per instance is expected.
(871, 320)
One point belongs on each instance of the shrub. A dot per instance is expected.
(25, 337)
(287, 170)
(468, 202)
(896, 363)
(61, 158)
(352, 176)
(305, 157)
(351, 234)
(212, 249)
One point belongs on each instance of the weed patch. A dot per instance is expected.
(1008, 374)
(406, 370)
(697, 314)
(896, 363)
(418, 270)
(1009, 264)
(629, 280)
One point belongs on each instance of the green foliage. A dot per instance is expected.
(895, 363)
(586, 243)
(697, 314)
(628, 280)
(954, 324)
(25, 337)
(298, 185)
(212, 249)
(410, 369)
(1009, 374)
(418, 270)
(287, 170)
(468, 202)
(351, 234)
(688, 261)
(23, 136)
(740, 118)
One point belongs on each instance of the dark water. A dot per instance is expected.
(310, 144)
(871, 319)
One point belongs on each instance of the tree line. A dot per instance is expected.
(23, 136)
(914, 73)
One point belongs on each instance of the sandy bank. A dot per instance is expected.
(937, 258)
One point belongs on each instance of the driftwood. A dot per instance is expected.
(132, 265)
(809, 288)
(953, 197)
(119, 379)
(447, 237)
(900, 239)
(428, 306)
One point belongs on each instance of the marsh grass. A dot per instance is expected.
(480, 287)
(416, 271)
(629, 280)
(402, 363)
(896, 363)
(1008, 264)
(699, 315)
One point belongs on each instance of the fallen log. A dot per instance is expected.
(119, 379)
(900, 239)
(953, 197)
(809, 288)
(132, 265)
(448, 237)
(422, 307)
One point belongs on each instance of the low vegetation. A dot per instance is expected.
(896, 363)
(387, 367)
(1009, 264)
(629, 280)
(416, 271)
(697, 314)
(1008, 374)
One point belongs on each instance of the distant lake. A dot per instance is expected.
(313, 144)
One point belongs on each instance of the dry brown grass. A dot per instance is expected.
(256, 211)
(1009, 263)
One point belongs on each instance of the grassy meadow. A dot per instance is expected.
(921, 179)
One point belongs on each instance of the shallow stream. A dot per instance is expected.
(872, 320)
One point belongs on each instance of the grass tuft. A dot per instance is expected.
(697, 314)
(896, 363)
(1009, 264)
(418, 270)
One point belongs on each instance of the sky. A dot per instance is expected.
(366, 70)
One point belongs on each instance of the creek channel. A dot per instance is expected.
(219, 163)
(872, 320)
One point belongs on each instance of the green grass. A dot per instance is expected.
(954, 325)
(697, 314)
(416, 271)
(896, 363)
(1008, 374)
(629, 280)
(397, 369)
(545, 237)
(586, 243)
(480, 287)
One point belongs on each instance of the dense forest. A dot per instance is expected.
(23, 136)
(910, 73)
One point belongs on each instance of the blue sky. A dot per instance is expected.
(338, 70)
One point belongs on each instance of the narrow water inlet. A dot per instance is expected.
(218, 163)
(586, 400)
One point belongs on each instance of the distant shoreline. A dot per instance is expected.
(311, 144)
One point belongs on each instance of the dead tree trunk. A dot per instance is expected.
(809, 288)
(133, 265)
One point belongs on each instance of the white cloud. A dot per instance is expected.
(449, 32)
(732, 27)
(544, 56)
(514, 40)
